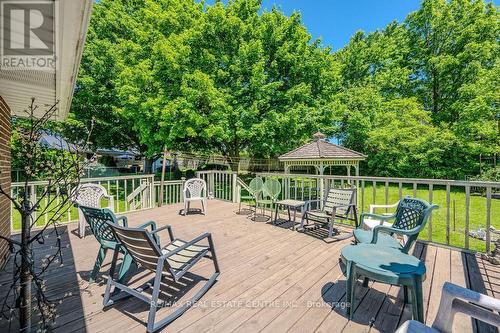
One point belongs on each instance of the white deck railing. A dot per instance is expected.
(129, 193)
(220, 184)
(464, 205)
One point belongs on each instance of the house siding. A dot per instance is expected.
(5, 177)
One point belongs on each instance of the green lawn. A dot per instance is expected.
(477, 210)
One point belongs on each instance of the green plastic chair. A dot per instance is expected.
(97, 219)
(409, 219)
(270, 193)
(254, 191)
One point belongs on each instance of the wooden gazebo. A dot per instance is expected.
(322, 154)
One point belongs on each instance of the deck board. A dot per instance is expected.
(293, 273)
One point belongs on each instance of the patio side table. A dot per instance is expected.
(386, 265)
(289, 204)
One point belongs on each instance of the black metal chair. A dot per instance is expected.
(173, 260)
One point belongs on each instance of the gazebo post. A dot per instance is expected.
(321, 184)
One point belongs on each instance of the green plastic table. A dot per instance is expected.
(386, 265)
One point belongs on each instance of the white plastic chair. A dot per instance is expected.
(195, 189)
(456, 299)
(90, 195)
(370, 223)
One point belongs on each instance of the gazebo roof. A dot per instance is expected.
(321, 150)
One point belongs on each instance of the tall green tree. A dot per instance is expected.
(231, 79)
(454, 55)
(234, 81)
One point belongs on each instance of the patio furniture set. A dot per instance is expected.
(338, 205)
(379, 252)
(141, 250)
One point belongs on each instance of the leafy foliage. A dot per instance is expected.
(419, 97)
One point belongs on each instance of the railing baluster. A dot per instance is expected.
(488, 219)
(302, 189)
(125, 195)
(467, 204)
(447, 214)
(69, 210)
(374, 191)
(400, 190)
(386, 194)
(46, 214)
(429, 223)
(415, 186)
(117, 204)
(362, 196)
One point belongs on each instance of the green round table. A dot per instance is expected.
(386, 265)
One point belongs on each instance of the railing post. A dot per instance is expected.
(488, 220)
(211, 178)
(234, 188)
(152, 191)
(321, 191)
(183, 180)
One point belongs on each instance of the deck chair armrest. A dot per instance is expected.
(392, 230)
(198, 239)
(373, 207)
(459, 299)
(123, 219)
(382, 218)
(111, 201)
(377, 216)
(170, 232)
(151, 224)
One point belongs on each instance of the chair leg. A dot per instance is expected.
(107, 294)
(350, 286)
(185, 208)
(355, 217)
(330, 230)
(81, 224)
(204, 206)
(212, 251)
(416, 299)
(154, 297)
(98, 262)
(405, 295)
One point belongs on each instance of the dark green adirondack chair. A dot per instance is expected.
(97, 218)
(409, 219)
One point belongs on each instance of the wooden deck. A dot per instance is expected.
(272, 280)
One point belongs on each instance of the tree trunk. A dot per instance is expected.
(162, 182)
(148, 165)
(25, 273)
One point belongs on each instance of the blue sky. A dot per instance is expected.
(335, 21)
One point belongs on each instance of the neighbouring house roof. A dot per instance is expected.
(55, 141)
(118, 152)
(320, 149)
